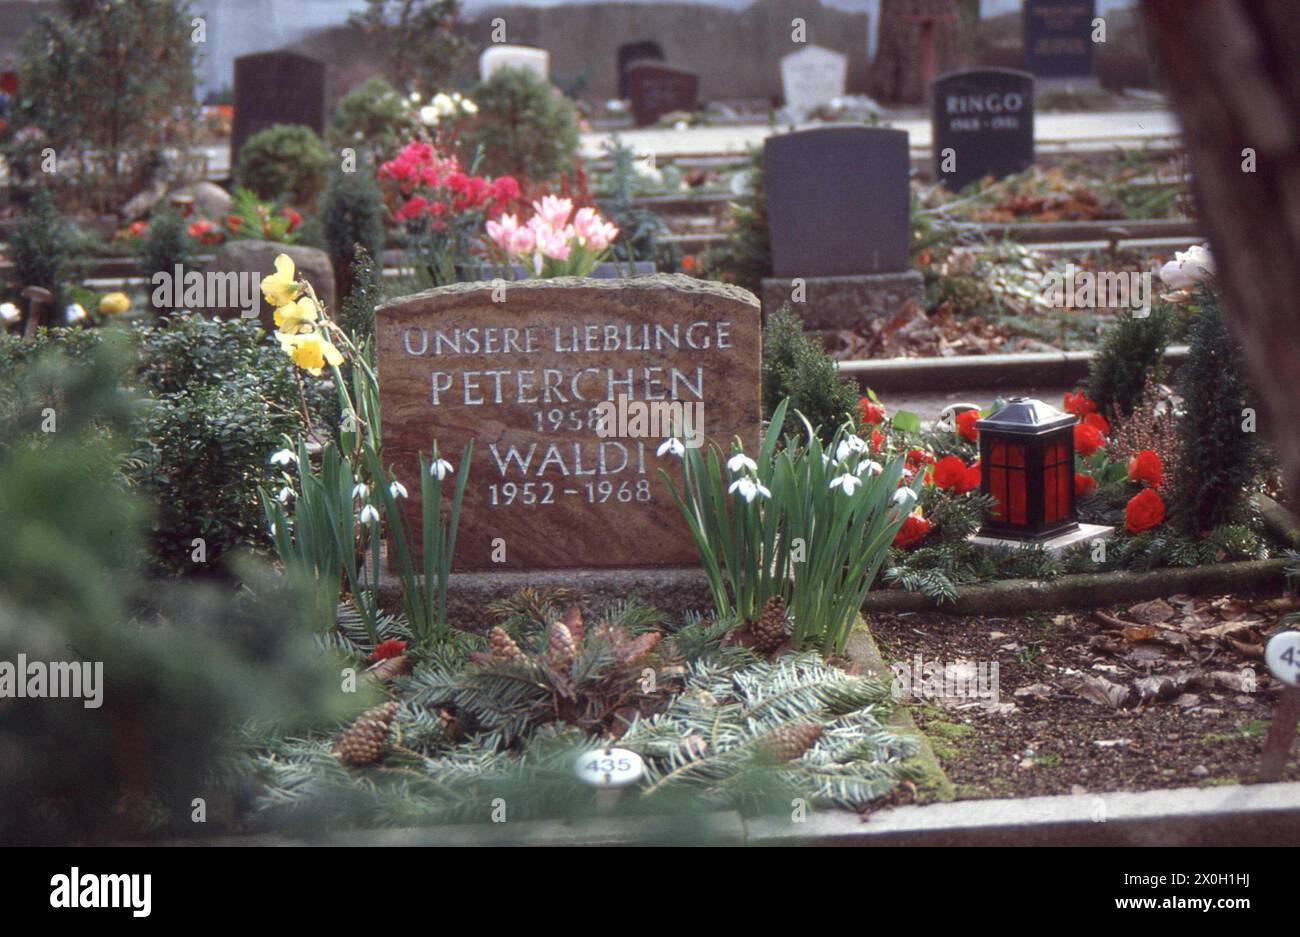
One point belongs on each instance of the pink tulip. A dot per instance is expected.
(602, 235)
(522, 241)
(554, 211)
(554, 245)
(502, 233)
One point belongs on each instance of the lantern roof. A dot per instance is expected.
(1025, 416)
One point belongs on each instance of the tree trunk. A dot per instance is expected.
(1230, 69)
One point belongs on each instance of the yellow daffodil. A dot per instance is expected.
(114, 304)
(280, 287)
(311, 352)
(296, 317)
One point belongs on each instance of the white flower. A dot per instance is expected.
(415, 97)
(468, 106)
(441, 469)
(849, 445)
(397, 490)
(272, 528)
(749, 489)
(283, 457)
(75, 312)
(904, 496)
(673, 446)
(444, 104)
(285, 494)
(875, 468)
(360, 490)
(1188, 267)
(428, 115)
(10, 313)
(848, 482)
(741, 462)
(368, 515)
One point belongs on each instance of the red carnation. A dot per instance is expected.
(386, 649)
(966, 421)
(914, 529)
(505, 188)
(949, 472)
(1084, 484)
(1080, 404)
(1087, 439)
(1146, 467)
(1143, 511)
(872, 412)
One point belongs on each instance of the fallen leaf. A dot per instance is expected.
(1139, 633)
(1097, 690)
(1157, 611)
(1036, 690)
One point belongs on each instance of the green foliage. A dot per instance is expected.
(747, 257)
(796, 367)
(1132, 351)
(283, 161)
(373, 118)
(419, 39)
(165, 244)
(357, 313)
(259, 220)
(639, 228)
(1217, 455)
(39, 247)
(352, 213)
(110, 79)
(523, 129)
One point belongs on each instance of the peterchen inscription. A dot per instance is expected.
(549, 486)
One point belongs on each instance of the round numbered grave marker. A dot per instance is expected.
(1282, 654)
(609, 767)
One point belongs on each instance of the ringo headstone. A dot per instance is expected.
(1058, 38)
(496, 57)
(985, 117)
(628, 52)
(276, 88)
(522, 377)
(657, 89)
(811, 78)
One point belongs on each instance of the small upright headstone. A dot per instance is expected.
(276, 88)
(1058, 38)
(812, 78)
(983, 125)
(628, 52)
(522, 369)
(497, 57)
(657, 89)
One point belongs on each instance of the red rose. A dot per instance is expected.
(386, 649)
(872, 412)
(1080, 404)
(970, 479)
(914, 528)
(949, 472)
(1084, 484)
(966, 424)
(1087, 439)
(1143, 511)
(1098, 422)
(1146, 467)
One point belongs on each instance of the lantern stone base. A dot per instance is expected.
(1055, 546)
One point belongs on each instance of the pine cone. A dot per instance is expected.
(632, 653)
(789, 742)
(390, 667)
(769, 630)
(503, 646)
(560, 646)
(573, 621)
(364, 742)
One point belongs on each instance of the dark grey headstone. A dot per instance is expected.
(837, 201)
(1058, 38)
(646, 50)
(986, 117)
(276, 88)
(657, 89)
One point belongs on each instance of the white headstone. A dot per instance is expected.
(811, 78)
(496, 57)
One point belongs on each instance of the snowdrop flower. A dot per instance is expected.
(283, 457)
(741, 462)
(673, 446)
(441, 469)
(360, 490)
(749, 489)
(904, 496)
(285, 494)
(849, 445)
(368, 515)
(874, 468)
(397, 490)
(848, 482)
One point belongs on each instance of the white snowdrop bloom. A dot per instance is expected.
(283, 457)
(273, 528)
(870, 466)
(368, 515)
(848, 482)
(671, 446)
(285, 494)
(397, 490)
(748, 489)
(849, 445)
(904, 496)
(741, 462)
(441, 469)
(360, 490)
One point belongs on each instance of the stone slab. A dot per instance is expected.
(1056, 545)
(846, 301)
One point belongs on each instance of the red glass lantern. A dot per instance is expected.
(1027, 465)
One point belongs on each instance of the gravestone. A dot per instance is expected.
(986, 118)
(657, 89)
(812, 78)
(838, 222)
(646, 50)
(497, 57)
(522, 378)
(1058, 39)
(276, 88)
